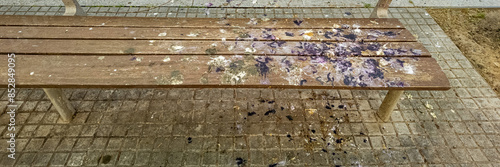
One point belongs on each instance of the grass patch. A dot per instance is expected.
(479, 15)
(367, 5)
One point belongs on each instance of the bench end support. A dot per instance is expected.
(61, 103)
(380, 10)
(72, 8)
(389, 103)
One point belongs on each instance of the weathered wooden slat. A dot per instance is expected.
(152, 71)
(169, 47)
(80, 21)
(229, 34)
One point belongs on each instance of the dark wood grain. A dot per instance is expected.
(220, 71)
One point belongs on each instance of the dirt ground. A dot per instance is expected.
(477, 33)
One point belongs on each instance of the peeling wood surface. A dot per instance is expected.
(81, 52)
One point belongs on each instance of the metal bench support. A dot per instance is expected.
(389, 103)
(380, 10)
(61, 103)
(73, 8)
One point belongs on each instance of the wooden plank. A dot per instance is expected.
(169, 47)
(368, 35)
(402, 73)
(89, 21)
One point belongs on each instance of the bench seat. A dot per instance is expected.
(117, 52)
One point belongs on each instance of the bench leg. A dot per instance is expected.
(62, 104)
(389, 103)
(73, 8)
(380, 10)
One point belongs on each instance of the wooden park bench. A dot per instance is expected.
(54, 52)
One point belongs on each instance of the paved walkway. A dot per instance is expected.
(217, 127)
(268, 3)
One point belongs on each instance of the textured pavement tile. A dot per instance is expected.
(25, 159)
(59, 159)
(42, 159)
(477, 155)
(76, 159)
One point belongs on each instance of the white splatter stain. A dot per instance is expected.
(139, 59)
(177, 48)
(253, 21)
(101, 57)
(383, 62)
(408, 69)
(193, 34)
(357, 31)
(189, 58)
(308, 34)
(230, 47)
(162, 34)
(176, 81)
(311, 111)
(32, 73)
(219, 62)
(428, 106)
(409, 96)
(236, 78)
(433, 114)
(166, 59)
(282, 163)
(294, 75)
(320, 33)
(250, 50)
